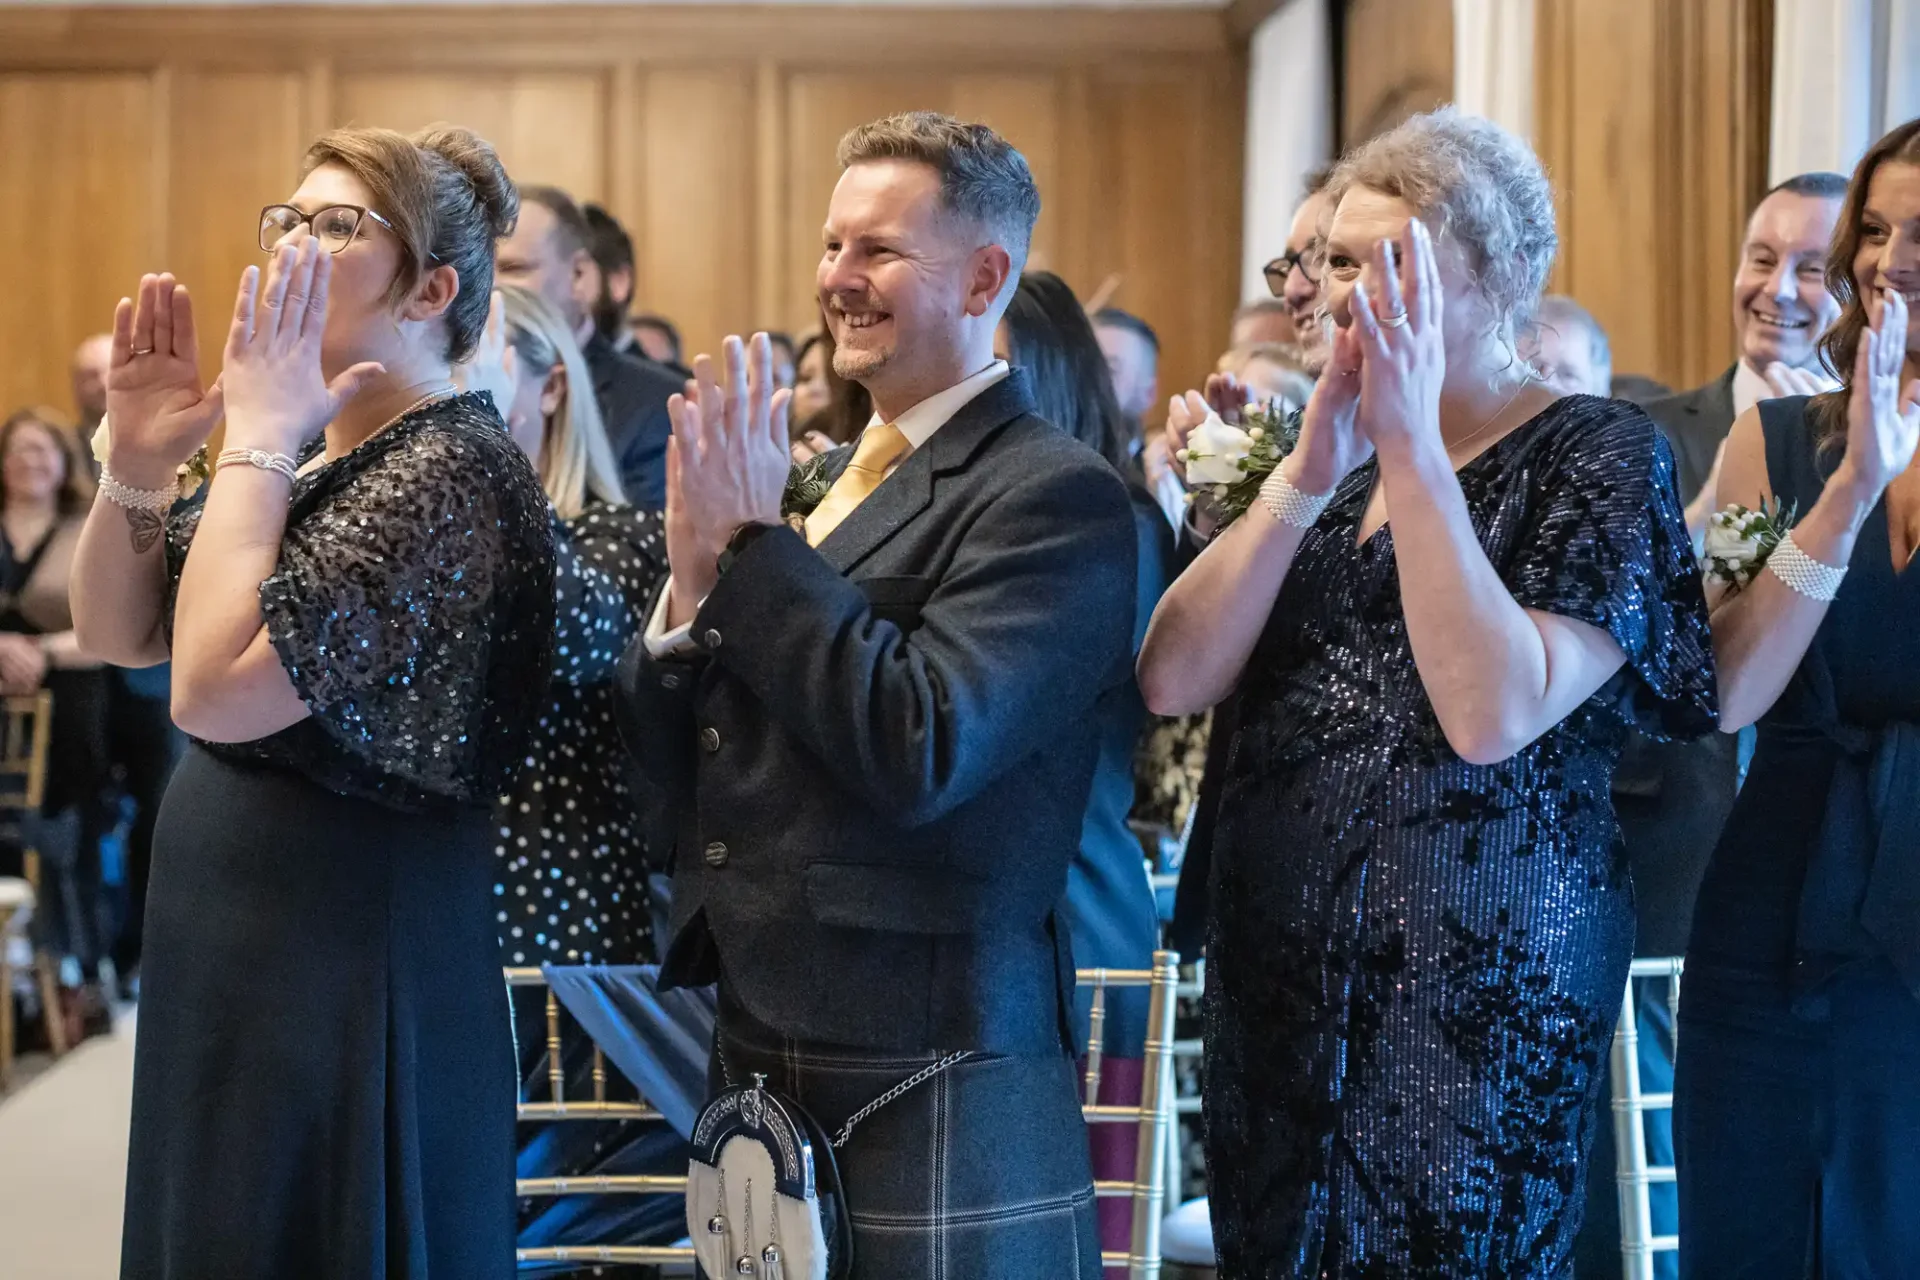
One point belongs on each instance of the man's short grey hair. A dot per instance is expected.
(984, 180)
(1563, 315)
(1475, 184)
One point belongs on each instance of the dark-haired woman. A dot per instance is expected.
(1797, 1094)
(45, 489)
(1109, 906)
(358, 608)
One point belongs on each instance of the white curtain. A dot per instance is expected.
(1289, 127)
(1844, 72)
(1493, 61)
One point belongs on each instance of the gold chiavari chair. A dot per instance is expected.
(25, 729)
(1633, 1175)
(558, 1106)
(1155, 1114)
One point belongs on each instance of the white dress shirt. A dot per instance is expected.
(1749, 389)
(917, 424)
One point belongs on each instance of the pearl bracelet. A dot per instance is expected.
(125, 495)
(1288, 505)
(1800, 571)
(278, 463)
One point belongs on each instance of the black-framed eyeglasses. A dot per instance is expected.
(334, 226)
(1277, 271)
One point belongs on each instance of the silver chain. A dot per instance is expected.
(913, 1081)
(918, 1078)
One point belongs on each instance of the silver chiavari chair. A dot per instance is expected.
(1633, 1175)
(558, 1106)
(1155, 1114)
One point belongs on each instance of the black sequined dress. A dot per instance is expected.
(1415, 963)
(324, 1076)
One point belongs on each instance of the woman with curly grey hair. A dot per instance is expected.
(1443, 612)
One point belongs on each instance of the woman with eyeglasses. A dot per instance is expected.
(359, 609)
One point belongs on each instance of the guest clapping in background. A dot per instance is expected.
(572, 859)
(1109, 904)
(1796, 1104)
(45, 491)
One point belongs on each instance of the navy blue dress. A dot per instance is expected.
(1415, 963)
(324, 1076)
(1797, 1089)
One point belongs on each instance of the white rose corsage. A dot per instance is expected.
(1226, 463)
(1739, 540)
(192, 473)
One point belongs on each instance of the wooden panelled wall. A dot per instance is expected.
(147, 139)
(1652, 117)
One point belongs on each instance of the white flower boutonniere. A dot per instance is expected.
(1739, 540)
(1227, 463)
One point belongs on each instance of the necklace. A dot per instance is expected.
(442, 392)
(1492, 418)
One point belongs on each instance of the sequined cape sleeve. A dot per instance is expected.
(1607, 544)
(400, 604)
(607, 561)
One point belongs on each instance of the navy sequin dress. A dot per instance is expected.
(324, 1077)
(1415, 963)
(573, 864)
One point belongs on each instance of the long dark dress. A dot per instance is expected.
(324, 1077)
(1797, 1089)
(572, 860)
(1415, 963)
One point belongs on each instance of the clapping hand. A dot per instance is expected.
(23, 664)
(1403, 358)
(1331, 447)
(491, 366)
(727, 464)
(157, 410)
(1883, 423)
(277, 396)
(1785, 380)
(1225, 395)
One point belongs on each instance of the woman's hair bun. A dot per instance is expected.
(479, 163)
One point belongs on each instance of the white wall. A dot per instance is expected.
(1289, 127)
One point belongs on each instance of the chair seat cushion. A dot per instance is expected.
(1186, 1235)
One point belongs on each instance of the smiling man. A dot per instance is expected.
(1780, 308)
(877, 725)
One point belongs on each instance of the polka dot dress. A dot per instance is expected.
(572, 867)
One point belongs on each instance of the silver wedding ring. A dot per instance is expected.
(145, 352)
(1394, 321)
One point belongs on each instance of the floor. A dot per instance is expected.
(63, 1154)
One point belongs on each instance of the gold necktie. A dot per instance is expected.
(880, 447)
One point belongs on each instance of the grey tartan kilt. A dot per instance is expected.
(980, 1173)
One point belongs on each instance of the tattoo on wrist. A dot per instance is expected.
(144, 529)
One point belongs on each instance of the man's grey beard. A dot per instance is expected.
(1315, 341)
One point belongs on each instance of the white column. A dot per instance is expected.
(1902, 79)
(1823, 76)
(1493, 61)
(1289, 127)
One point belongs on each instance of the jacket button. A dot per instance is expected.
(710, 738)
(671, 680)
(716, 854)
(712, 638)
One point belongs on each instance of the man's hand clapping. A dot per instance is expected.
(727, 465)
